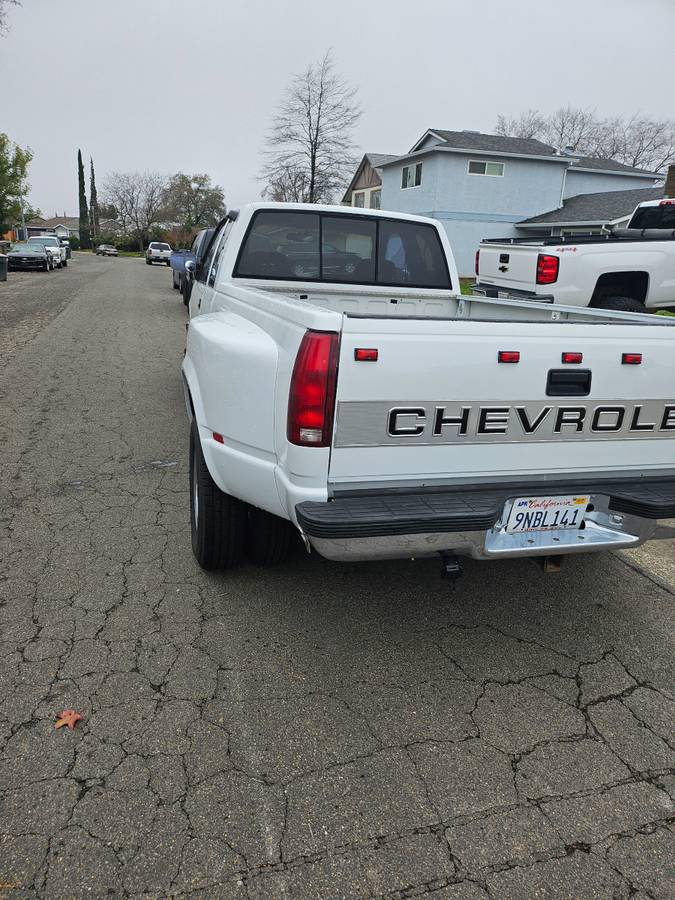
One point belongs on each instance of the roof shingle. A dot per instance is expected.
(606, 206)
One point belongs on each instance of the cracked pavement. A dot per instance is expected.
(314, 730)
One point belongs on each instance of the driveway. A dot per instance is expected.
(315, 730)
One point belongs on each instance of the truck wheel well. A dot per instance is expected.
(621, 284)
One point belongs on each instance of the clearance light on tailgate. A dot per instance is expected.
(311, 399)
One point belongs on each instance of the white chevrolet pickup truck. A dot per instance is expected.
(368, 405)
(630, 269)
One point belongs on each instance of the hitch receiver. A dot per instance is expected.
(451, 568)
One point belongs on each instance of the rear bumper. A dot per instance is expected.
(471, 522)
(495, 291)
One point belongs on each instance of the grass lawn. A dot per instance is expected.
(466, 285)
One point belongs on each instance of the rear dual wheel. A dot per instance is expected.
(224, 528)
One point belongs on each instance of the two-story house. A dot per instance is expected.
(483, 185)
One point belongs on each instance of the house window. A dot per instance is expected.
(375, 199)
(477, 167)
(360, 199)
(411, 176)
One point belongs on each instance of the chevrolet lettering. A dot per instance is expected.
(377, 424)
(340, 386)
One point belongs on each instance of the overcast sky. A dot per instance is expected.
(191, 86)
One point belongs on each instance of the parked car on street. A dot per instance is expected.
(630, 269)
(53, 246)
(393, 417)
(65, 243)
(189, 264)
(29, 256)
(158, 251)
(106, 250)
(176, 262)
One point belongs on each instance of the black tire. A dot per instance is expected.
(621, 304)
(268, 539)
(46, 267)
(65, 263)
(217, 520)
(148, 262)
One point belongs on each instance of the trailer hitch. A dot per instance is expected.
(451, 568)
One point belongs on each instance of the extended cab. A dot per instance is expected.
(375, 410)
(631, 269)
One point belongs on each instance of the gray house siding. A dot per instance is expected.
(593, 183)
(472, 207)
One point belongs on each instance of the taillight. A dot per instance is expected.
(667, 203)
(477, 259)
(508, 356)
(311, 400)
(631, 359)
(547, 268)
(572, 358)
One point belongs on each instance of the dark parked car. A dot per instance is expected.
(194, 259)
(29, 256)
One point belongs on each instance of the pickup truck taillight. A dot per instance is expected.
(477, 260)
(547, 268)
(311, 399)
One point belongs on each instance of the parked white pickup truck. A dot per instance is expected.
(381, 414)
(54, 247)
(631, 269)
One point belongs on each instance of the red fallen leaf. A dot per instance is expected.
(68, 717)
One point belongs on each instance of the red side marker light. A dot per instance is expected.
(218, 438)
(572, 358)
(631, 359)
(365, 354)
(667, 203)
(508, 356)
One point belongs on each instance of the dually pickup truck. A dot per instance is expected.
(381, 414)
(630, 269)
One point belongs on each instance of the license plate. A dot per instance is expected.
(547, 513)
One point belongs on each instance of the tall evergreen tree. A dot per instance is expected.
(85, 239)
(93, 203)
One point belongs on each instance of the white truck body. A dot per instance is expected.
(428, 447)
(637, 262)
(158, 251)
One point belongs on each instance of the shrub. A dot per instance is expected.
(74, 242)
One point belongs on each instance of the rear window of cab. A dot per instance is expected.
(341, 248)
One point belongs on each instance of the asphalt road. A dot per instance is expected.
(316, 730)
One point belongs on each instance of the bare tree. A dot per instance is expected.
(139, 198)
(309, 151)
(637, 141)
(571, 128)
(530, 124)
(4, 27)
(287, 186)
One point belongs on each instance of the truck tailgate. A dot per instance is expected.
(438, 407)
(510, 265)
